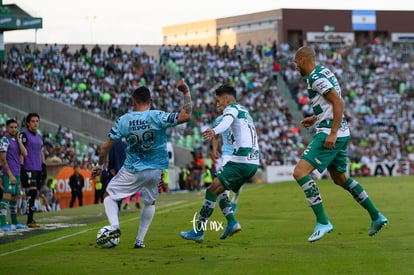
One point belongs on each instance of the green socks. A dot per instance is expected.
(13, 212)
(4, 206)
(361, 196)
(207, 209)
(352, 186)
(225, 206)
(314, 199)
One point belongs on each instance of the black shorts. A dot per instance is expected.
(31, 178)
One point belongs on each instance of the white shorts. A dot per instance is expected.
(125, 184)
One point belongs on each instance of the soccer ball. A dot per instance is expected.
(111, 242)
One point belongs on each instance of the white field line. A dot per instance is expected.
(43, 243)
(162, 211)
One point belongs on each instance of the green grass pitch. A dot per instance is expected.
(276, 222)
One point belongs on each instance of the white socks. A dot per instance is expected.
(111, 210)
(147, 213)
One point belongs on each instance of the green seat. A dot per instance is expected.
(189, 141)
(180, 142)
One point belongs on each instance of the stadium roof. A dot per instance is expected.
(12, 17)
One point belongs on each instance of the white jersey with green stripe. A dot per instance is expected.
(243, 134)
(320, 81)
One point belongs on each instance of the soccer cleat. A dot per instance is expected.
(113, 234)
(194, 236)
(139, 244)
(33, 224)
(8, 227)
(231, 229)
(20, 226)
(320, 231)
(377, 225)
(137, 205)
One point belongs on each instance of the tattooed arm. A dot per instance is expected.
(187, 110)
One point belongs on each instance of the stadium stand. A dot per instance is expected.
(377, 82)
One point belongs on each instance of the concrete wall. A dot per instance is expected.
(86, 127)
(18, 100)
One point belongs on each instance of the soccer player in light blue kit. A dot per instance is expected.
(146, 157)
(328, 149)
(222, 156)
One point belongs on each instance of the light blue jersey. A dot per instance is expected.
(145, 134)
(227, 147)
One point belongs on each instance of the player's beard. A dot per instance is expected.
(302, 72)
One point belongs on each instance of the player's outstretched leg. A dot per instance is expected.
(111, 210)
(197, 232)
(378, 221)
(232, 225)
(311, 190)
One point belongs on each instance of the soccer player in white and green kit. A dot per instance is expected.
(328, 149)
(241, 167)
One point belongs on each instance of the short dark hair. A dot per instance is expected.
(10, 121)
(30, 115)
(226, 90)
(142, 95)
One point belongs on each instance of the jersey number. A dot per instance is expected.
(141, 142)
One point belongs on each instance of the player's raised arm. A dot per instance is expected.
(187, 110)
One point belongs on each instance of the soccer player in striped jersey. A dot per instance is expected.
(241, 167)
(222, 156)
(328, 149)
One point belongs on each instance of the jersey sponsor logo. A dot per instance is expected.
(322, 85)
(253, 155)
(139, 124)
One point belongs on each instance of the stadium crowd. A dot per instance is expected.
(378, 87)
(377, 82)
